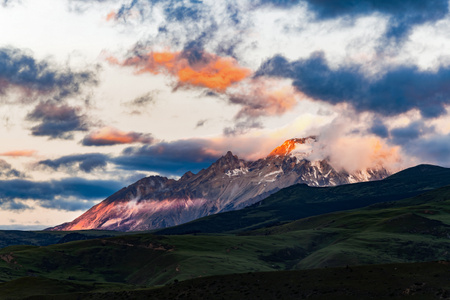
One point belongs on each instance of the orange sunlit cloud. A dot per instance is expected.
(19, 153)
(213, 72)
(111, 136)
(110, 16)
(218, 75)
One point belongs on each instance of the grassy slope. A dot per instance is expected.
(412, 281)
(411, 230)
(301, 201)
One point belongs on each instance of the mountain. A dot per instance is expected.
(301, 201)
(228, 184)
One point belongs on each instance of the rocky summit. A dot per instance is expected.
(228, 184)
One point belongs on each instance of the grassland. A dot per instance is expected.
(392, 281)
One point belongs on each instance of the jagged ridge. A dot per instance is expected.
(228, 184)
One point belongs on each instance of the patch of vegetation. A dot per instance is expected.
(398, 281)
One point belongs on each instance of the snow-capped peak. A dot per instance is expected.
(297, 147)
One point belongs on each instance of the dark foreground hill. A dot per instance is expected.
(301, 201)
(429, 280)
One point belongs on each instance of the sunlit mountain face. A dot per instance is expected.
(228, 184)
(96, 95)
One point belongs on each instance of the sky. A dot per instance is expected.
(96, 94)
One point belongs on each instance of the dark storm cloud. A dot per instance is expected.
(7, 171)
(56, 120)
(169, 158)
(14, 205)
(434, 149)
(397, 91)
(85, 162)
(69, 205)
(404, 14)
(378, 128)
(57, 193)
(20, 69)
(415, 130)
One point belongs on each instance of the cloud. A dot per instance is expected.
(174, 10)
(144, 100)
(6, 171)
(379, 128)
(194, 67)
(170, 158)
(434, 149)
(19, 69)
(57, 120)
(110, 16)
(6, 3)
(138, 105)
(415, 130)
(19, 153)
(399, 90)
(85, 162)
(201, 123)
(404, 14)
(263, 98)
(190, 68)
(242, 127)
(65, 194)
(347, 146)
(108, 136)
